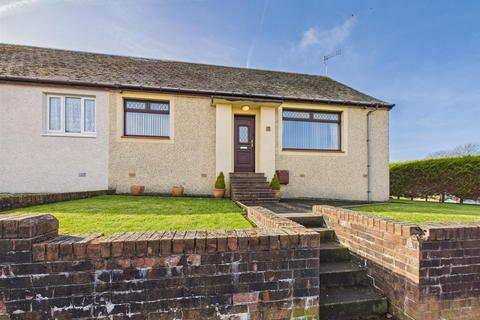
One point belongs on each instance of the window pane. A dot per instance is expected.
(296, 114)
(243, 134)
(159, 106)
(136, 105)
(54, 114)
(147, 124)
(73, 114)
(325, 116)
(310, 135)
(89, 115)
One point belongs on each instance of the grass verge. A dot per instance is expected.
(114, 213)
(418, 212)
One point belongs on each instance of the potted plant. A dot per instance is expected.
(177, 191)
(275, 185)
(137, 189)
(219, 191)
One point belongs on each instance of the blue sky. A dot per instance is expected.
(424, 56)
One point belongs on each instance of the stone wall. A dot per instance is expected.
(427, 271)
(25, 200)
(231, 274)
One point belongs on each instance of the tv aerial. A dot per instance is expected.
(330, 56)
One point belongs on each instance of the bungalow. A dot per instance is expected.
(76, 121)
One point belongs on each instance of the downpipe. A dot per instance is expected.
(369, 154)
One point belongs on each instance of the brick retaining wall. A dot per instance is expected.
(26, 200)
(233, 274)
(428, 271)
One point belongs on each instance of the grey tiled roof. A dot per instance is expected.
(82, 68)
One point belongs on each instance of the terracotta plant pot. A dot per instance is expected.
(277, 194)
(218, 193)
(137, 189)
(177, 191)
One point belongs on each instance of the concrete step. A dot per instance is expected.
(248, 178)
(343, 274)
(253, 193)
(326, 234)
(254, 198)
(248, 190)
(251, 188)
(247, 174)
(261, 194)
(264, 199)
(262, 186)
(333, 252)
(249, 185)
(256, 203)
(308, 220)
(352, 303)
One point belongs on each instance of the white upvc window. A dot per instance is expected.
(71, 115)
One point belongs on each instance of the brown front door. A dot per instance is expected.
(244, 143)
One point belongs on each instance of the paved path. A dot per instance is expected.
(304, 206)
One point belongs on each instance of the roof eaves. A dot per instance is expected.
(195, 91)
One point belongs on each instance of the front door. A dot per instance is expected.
(244, 144)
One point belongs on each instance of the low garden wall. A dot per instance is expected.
(268, 272)
(427, 271)
(24, 200)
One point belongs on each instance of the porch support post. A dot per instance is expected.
(267, 141)
(224, 140)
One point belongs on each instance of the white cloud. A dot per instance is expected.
(325, 41)
(14, 6)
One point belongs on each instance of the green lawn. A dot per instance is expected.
(417, 211)
(109, 214)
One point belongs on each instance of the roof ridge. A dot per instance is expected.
(169, 60)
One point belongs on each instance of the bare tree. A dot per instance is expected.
(468, 149)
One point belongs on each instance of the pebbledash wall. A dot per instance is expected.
(428, 272)
(187, 158)
(200, 146)
(234, 274)
(204, 132)
(32, 160)
(339, 175)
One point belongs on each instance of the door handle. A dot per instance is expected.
(251, 143)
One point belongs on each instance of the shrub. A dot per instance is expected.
(220, 182)
(275, 183)
(456, 176)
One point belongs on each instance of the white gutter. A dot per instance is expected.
(369, 154)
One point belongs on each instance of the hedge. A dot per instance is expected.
(455, 176)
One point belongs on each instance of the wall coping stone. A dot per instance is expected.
(273, 232)
(15, 201)
(26, 226)
(425, 231)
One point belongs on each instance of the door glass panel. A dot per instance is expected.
(243, 134)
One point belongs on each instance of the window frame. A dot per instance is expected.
(146, 110)
(62, 130)
(312, 119)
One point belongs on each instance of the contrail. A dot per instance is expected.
(254, 42)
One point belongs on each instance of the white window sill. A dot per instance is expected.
(71, 135)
